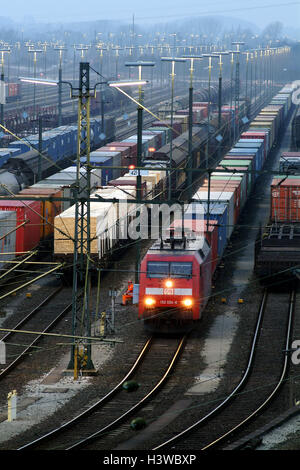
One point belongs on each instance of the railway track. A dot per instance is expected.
(92, 427)
(25, 322)
(257, 388)
(21, 341)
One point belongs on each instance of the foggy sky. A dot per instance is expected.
(259, 12)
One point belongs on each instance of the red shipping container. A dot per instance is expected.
(200, 104)
(285, 200)
(12, 89)
(177, 126)
(126, 158)
(115, 148)
(27, 236)
(49, 209)
(131, 145)
(203, 106)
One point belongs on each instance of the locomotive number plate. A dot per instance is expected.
(168, 291)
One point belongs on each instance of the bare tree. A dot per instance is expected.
(273, 31)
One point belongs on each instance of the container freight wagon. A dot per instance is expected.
(109, 225)
(59, 148)
(49, 209)
(12, 92)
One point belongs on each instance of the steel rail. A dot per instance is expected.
(215, 410)
(31, 314)
(13, 364)
(98, 434)
(95, 406)
(277, 386)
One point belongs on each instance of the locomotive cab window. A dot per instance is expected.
(181, 270)
(157, 269)
(165, 269)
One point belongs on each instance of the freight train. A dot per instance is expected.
(156, 143)
(19, 162)
(110, 179)
(60, 144)
(20, 119)
(177, 271)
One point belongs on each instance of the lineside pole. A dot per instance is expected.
(81, 315)
(190, 162)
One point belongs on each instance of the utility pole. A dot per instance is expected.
(81, 319)
(2, 90)
(34, 52)
(208, 106)
(39, 173)
(60, 49)
(237, 88)
(190, 163)
(172, 60)
(139, 64)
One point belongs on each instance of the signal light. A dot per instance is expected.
(187, 302)
(151, 149)
(131, 167)
(149, 301)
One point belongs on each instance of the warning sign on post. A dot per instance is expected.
(136, 172)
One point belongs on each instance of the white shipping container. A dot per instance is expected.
(8, 222)
(95, 175)
(107, 219)
(112, 225)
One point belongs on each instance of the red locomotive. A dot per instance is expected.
(175, 279)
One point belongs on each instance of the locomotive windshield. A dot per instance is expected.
(181, 269)
(164, 269)
(157, 269)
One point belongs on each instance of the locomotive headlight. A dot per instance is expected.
(187, 302)
(149, 302)
(169, 283)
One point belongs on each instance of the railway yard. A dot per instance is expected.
(179, 343)
(215, 368)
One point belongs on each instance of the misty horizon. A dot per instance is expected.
(258, 14)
